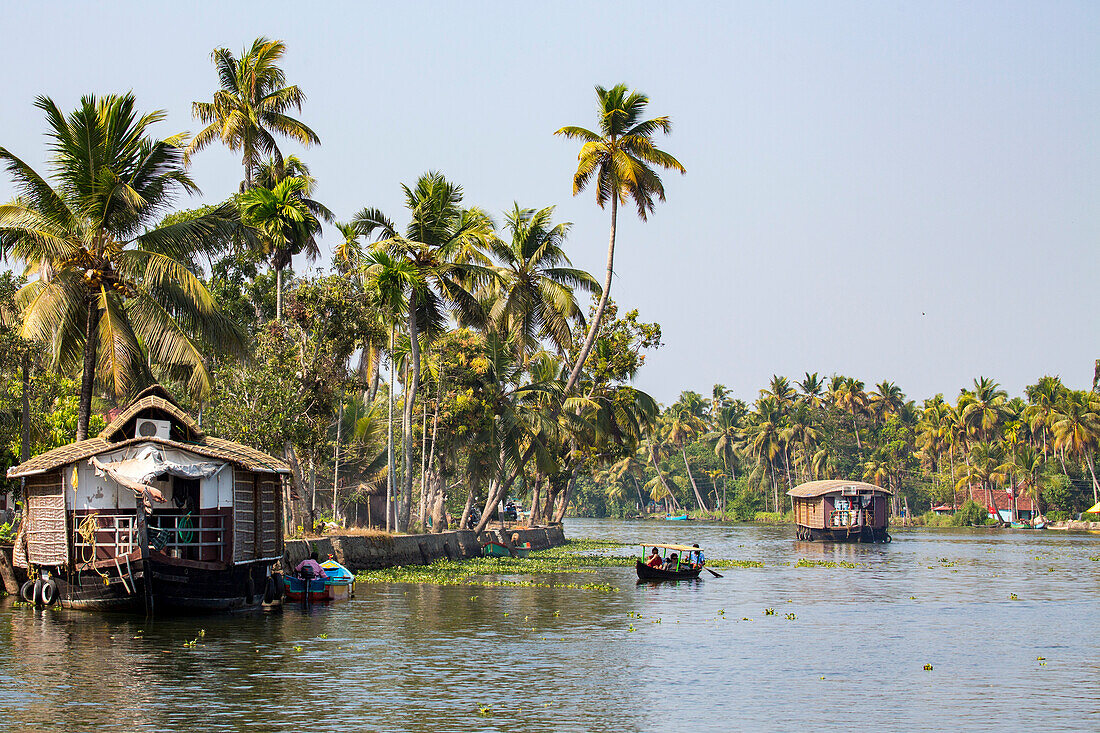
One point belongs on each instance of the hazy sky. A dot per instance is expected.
(903, 191)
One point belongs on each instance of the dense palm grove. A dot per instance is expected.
(443, 357)
(717, 455)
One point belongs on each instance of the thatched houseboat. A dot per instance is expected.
(152, 515)
(841, 511)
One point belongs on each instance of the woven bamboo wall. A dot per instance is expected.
(244, 520)
(47, 530)
(270, 516)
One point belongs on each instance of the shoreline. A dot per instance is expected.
(377, 552)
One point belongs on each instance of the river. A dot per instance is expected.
(1008, 620)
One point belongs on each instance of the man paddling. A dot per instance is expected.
(696, 558)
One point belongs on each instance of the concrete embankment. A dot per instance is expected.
(359, 552)
(1075, 526)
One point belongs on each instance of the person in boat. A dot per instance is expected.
(696, 557)
(654, 560)
(673, 562)
(314, 567)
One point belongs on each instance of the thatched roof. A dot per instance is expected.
(829, 486)
(154, 402)
(248, 458)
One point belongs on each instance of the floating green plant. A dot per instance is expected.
(804, 563)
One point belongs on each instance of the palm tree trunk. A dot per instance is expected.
(638, 488)
(278, 293)
(469, 506)
(855, 431)
(533, 520)
(565, 498)
(25, 445)
(411, 387)
(695, 489)
(1092, 470)
(595, 325)
(336, 456)
(422, 518)
(390, 478)
(87, 380)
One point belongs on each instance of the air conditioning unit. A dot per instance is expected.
(145, 428)
(849, 491)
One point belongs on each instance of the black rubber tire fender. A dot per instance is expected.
(37, 591)
(48, 593)
(270, 594)
(280, 586)
(250, 590)
(26, 592)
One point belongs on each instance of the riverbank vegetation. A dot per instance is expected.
(725, 458)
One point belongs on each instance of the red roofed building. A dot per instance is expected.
(999, 501)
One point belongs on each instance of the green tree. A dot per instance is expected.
(110, 290)
(251, 106)
(620, 157)
(534, 295)
(444, 242)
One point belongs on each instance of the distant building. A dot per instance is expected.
(995, 500)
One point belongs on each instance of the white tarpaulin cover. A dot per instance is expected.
(139, 472)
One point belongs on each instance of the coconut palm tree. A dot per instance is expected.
(286, 225)
(251, 106)
(1076, 430)
(445, 244)
(886, 401)
(534, 295)
(688, 422)
(813, 391)
(620, 157)
(984, 408)
(848, 396)
(112, 290)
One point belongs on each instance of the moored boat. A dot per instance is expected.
(151, 515)
(492, 548)
(338, 586)
(680, 518)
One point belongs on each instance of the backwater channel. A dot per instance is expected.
(845, 649)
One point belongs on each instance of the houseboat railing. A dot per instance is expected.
(847, 518)
(181, 532)
(104, 536)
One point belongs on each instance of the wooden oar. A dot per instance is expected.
(717, 575)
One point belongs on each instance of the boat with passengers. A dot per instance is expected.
(675, 563)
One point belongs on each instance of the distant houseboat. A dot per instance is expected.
(841, 511)
(152, 515)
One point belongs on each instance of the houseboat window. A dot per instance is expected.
(842, 504)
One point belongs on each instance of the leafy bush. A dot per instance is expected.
(971, 513)
(744, 506)
(931, 519)
(8, 531)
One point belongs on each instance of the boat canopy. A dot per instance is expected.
(678, 548)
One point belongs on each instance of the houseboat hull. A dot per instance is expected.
(854, 534)
(166, 586)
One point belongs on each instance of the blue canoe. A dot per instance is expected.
(339, 585)
(681, 518)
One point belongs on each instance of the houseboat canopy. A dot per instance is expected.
(812, 489)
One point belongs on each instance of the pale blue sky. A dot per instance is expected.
(902, 191)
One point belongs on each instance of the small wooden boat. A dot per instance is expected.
(647, 573)
(681, 518)
(521, 550)
(492, 548)
(338, 586)
(682, 571)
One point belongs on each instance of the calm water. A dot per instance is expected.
(423, 658)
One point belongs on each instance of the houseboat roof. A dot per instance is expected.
(187, 435)
(812, 489)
